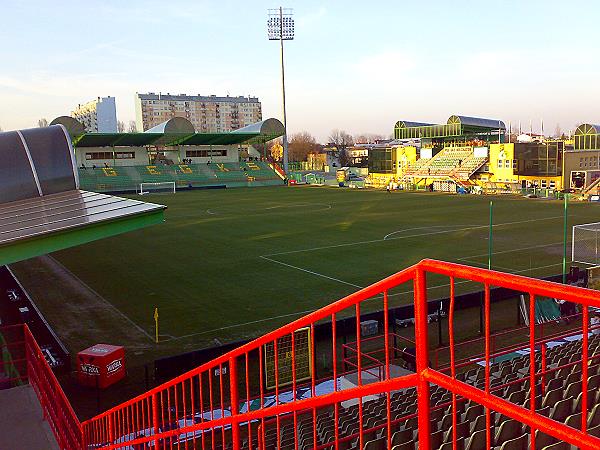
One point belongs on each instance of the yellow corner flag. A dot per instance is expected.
(156, 323)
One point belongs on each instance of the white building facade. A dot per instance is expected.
(98, 116)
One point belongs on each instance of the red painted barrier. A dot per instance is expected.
(225, 404)
(212, 406)
(23, 358)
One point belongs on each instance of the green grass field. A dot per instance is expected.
(234, 263)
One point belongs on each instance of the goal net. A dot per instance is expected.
(585, 244)
(166, 187)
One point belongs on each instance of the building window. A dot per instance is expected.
(204, 153)
(125, 155)
(514, 163)
(544, 184)
(98, 155)
(499, 164)
(552, 184)
(507, 164)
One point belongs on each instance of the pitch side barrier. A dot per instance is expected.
(211, 406)
(172, 366)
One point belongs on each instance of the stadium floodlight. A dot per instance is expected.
(280, 27)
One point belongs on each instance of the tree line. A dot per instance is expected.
(302, 144)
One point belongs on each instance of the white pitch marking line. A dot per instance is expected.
(244, 324)
(326, 206)
(267, 319)
(466, 258)
(348, 244)
(427, 228)
(313, 273)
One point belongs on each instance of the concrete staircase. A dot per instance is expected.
(22, 424)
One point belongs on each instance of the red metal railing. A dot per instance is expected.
(23, 358)
(212, 406)
(57, 409)
(470, 345)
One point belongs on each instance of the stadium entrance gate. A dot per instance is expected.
(224, 404)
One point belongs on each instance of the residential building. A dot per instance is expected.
(98, 116)
(208, 114)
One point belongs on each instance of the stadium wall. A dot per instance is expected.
(502, 172)
(138, 156)
(585, 163)
(98, 156)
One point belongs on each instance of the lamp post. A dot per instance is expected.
(280, 27)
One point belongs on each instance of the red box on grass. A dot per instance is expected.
(101, 365)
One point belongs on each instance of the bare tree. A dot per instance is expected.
(301, 144)
(367, 138)
(341, 141)
(132, 127)
(120, 126)
(43, 122)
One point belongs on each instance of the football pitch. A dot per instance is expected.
(231, 264)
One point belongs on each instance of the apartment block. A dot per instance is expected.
(98, 116)
(208, 114)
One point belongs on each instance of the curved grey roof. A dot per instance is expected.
(175, 125)
(477, 122)
(36, 162)
(74, 127)
(42, 209)
(408, 124)
(587, 128)
(266, 127)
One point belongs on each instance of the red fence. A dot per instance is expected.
(57, 409)
(225, 404)
(23, 361)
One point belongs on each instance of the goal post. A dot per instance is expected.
(585, 244)
(165, 187)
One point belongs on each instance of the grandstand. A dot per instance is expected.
(422, 154)
(129, 178)
(173, 152)
(450, 162)
(468, 152)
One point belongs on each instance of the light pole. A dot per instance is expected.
(280, 27)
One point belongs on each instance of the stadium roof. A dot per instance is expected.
(41, 225)
(454, 127)
(476, 122)
(42, 209)
(408, 124)
(587, 137)
(586, 129)
(175, 125)
(175, 131)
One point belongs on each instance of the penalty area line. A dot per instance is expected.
(311, 272)
(282, 316)
(372, 241)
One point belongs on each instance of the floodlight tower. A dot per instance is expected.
(280, 27)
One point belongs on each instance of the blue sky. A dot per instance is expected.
(358, 66)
